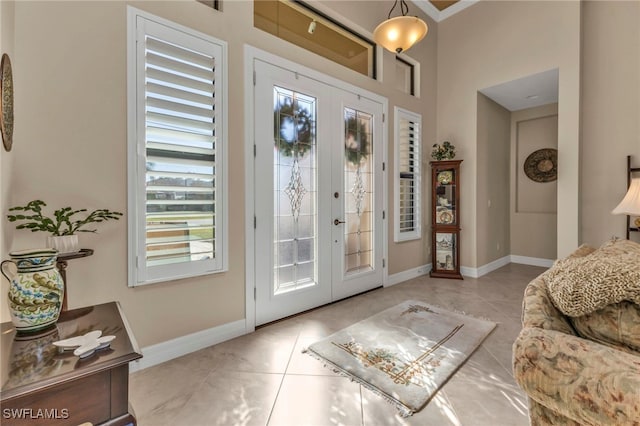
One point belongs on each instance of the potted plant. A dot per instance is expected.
(63, 225)
(446, 151)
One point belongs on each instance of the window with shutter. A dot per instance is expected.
(177, 209)
(408, 162)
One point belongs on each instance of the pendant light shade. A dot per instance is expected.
(400, 33)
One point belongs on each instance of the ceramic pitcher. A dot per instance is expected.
(36, 291)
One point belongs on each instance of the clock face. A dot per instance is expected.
(445, 177)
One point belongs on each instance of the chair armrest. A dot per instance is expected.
(539, 311)
(583, 380)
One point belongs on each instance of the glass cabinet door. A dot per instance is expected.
(445, 251)
(445, 208)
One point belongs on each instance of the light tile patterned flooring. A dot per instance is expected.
(264, 379)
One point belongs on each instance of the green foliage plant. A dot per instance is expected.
(63, 222)
(446, 151)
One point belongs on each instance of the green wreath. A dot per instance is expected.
(296, 142)
(356, 141)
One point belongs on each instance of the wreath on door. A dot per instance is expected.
(294, 133)
(356, 141)
(293, 129)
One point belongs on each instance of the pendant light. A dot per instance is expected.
(400, 33)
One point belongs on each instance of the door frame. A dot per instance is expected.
(250, 55)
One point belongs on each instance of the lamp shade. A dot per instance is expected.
(400, 33)
(630, 204)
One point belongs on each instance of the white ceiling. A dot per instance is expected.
(527, 92)
(439, 15)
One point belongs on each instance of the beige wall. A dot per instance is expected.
(610, 113)
(534, 204)
(70, 148)
(7, 30)
(493, 42)
(492, 181)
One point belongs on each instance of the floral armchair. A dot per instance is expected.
(574, 380)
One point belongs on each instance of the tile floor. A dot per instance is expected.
(264, 379)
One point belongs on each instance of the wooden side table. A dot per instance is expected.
(43, 386)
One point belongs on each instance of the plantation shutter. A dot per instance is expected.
(181, 176)
(409, 170)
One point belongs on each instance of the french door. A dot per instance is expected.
(318, 193)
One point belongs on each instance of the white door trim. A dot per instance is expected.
(250, 54)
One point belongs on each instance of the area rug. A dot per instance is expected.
(405, 353)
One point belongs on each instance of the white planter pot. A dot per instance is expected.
(64, 243)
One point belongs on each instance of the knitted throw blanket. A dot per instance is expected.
(611, 274)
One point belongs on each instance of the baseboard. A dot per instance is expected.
(408, 274)
(499, 263)
(533, 261)
(484, 269)
(165, 351)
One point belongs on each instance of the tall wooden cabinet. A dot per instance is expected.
(445, 219)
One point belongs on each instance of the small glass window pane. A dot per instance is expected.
(405, 76)
(299, 24)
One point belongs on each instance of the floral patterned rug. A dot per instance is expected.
(405, 353)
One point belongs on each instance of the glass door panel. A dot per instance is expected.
(294, 191)
(358, 170)
(358, 177)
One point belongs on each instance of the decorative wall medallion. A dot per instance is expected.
(6, 105)
(542, 165)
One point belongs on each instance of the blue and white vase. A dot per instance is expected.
(36, 292)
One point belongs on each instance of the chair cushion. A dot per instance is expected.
(616, 325)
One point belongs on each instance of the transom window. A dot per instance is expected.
(302, 25)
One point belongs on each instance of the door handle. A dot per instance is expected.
(337, 222)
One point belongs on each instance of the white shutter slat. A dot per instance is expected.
(177, 67)
(180, 202)
(159, 105)
(184, 189)
(159, 91)
(179, 123)
(180, 162)
(187, 55)
(187, 175)
(178, 82)
(180, 148)
(168, 136)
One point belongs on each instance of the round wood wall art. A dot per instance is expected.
(542, 165)
(6, 105)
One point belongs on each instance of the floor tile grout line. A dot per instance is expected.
(361, 407)
(284, 375)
